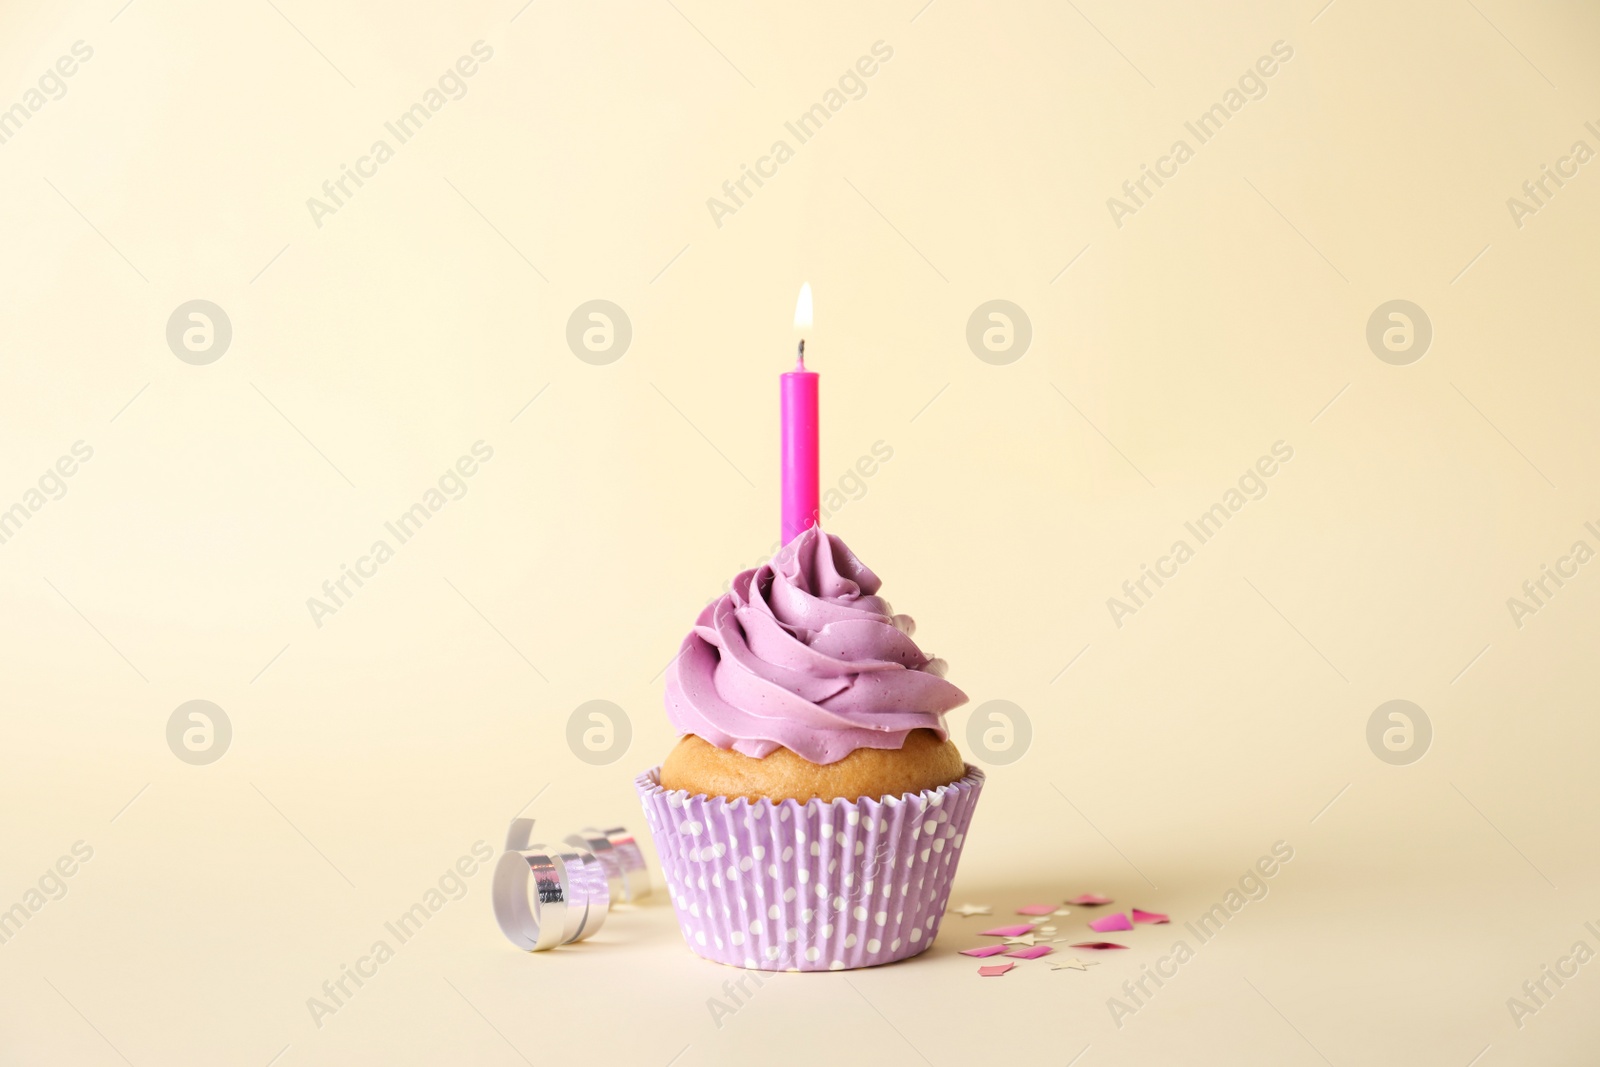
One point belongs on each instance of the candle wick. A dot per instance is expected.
(800, 360)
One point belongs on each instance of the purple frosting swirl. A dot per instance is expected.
(802, 653)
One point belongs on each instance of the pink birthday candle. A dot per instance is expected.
(800, 431)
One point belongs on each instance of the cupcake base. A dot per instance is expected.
(924, 760)
(814, 886)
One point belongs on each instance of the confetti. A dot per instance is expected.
(1044, 929)
(967, 911)
(1118, 921)
(1073, 964)
(1008, 931)
(1097, 944)
(1142, 916)
(995, 970)
(986, 950)
(1090, 900)
(1025, 939)
(1037, 909)
(1031, 953)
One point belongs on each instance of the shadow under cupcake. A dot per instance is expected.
(812, 815)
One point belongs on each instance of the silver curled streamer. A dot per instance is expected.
(622, 858)
(546, 896)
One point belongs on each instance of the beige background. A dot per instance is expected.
(368, 354)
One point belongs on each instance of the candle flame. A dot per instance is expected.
(802, 308)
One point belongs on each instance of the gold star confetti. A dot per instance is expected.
(1044, 929)
(967, 911)
(1026, 939)
(1073, 964)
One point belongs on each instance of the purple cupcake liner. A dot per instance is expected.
(824, 885)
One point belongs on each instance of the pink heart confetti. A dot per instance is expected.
(1031, 953)
(1008, 931)
(1090, 900)
(1142, 916)
(995, 970)
(1097, 944)
(986, 950)
(1037, 909)
(1118, 921)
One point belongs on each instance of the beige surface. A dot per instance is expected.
(1228, 313)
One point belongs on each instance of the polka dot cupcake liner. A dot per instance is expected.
(824, 885)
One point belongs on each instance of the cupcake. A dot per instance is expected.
(811, 815)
